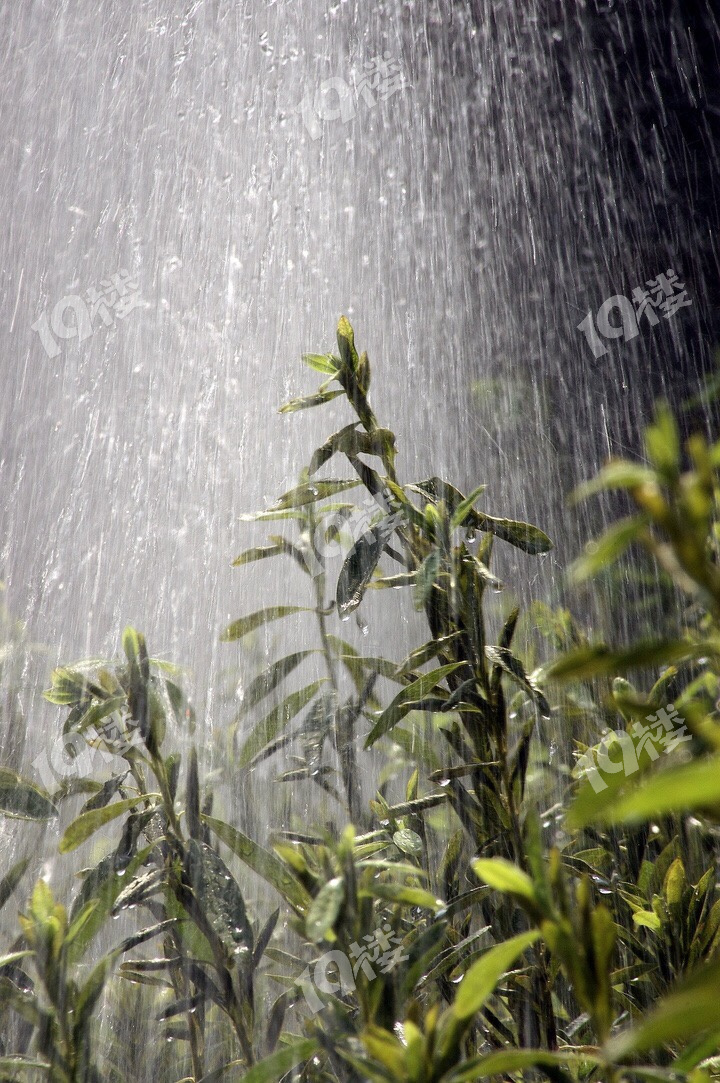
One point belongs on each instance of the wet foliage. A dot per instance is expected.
(465, 930)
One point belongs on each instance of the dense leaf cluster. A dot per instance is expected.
(579, 941)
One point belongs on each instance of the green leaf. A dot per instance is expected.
(262, 552)
(310, 492)
(11, 879)
(80, 922)
(90, 822)
(522, 535)
(425, 577)
(70, 688)
(604, 550)
(245, 625)
(618, 474)
(483, 975)
(263, 862)
(325, 908)
(426, 653)
(360, 564)
(346, 344)
(506, 660)
(106, 793)
(268, 681)
(648, 919)
(689, 787)
(22, 800)
(220, 898)
(91, 993)
(465, 507)
(387, 1049)
(517, 1060)
(680, 1015)
(307, 401)
(322, 362)
(14, 957)
(408, 841)
(18, 1063)
(400, 893)
(601, 661)
(136, 651)
(413, 692)
(504, 876)
(271, 1068)
(272, 725)
(352, 441)
(662, 443)
(102, 886)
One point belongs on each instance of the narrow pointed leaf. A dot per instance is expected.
(679, 1016)
(482, 977)
(311, 492)
(307, 401)
(426, 653)
(465, 506)
(425, 578)
(245, 625)
(325, 908)
(607, 548)
(268, 681)
(263, 862)
(90, 822)
(219, 897)
(523, 536)
(403, 894)
(409, 695)
(689, 787)
(504, 876)
(11, 879)
(519, 1060)
(270, 727)
(261, 552)
(17, 1063)
(23, 800)
(602, 661)
(268, 1070)
(322, 362)
(360, 564)
(506, 660)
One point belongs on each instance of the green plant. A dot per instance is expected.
(459, 927)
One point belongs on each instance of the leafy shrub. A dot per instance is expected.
(467, 931)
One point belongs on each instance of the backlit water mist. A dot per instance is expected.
(514, 164)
